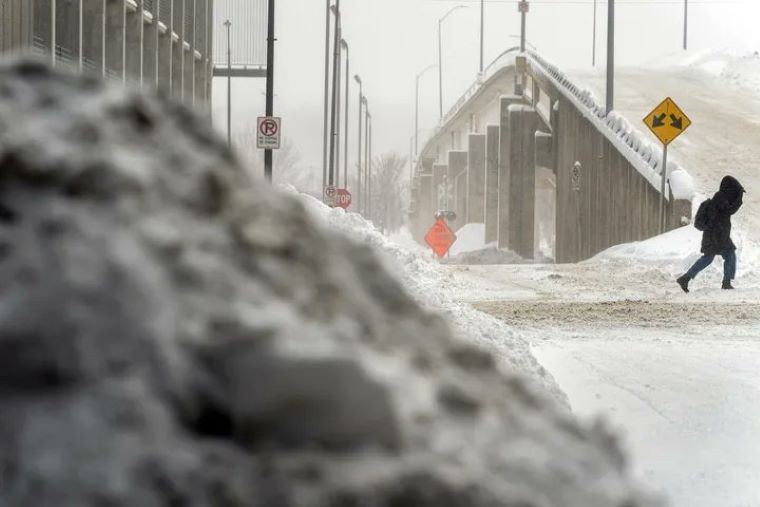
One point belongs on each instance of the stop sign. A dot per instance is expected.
(440, 237)
(342, 198)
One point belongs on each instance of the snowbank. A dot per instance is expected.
(433, 286)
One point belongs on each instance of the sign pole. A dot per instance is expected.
(610, 98)
(270, 86)
(664, 173)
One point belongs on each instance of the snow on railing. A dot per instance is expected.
(629, 141)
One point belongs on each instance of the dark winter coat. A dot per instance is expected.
(716, 239)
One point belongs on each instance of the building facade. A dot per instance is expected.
(163, 44)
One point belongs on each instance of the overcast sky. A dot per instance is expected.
(392, 40)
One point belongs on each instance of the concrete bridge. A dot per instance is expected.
(533, 157)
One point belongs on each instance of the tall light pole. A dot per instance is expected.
(335, 92)
(228, 24)
(359, 155)
(348, 89)
(482, 28)
(366, 154)
(369, 168)
(417, 105)
(440, 58)
(593, 39)
(685, 24)
(327, 93)
(270, 85)
(523, 8)
(338, 104)
(610, 56)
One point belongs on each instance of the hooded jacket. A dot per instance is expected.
(716, 239)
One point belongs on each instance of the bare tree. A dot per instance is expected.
(389, 193)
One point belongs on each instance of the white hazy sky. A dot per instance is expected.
(392, 40)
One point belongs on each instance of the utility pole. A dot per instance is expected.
(593, 48)
(228, 24)
(270, 86)
(348, 89)
(327, 93)
(336, 64)
(359, 201)
(610, 56)
(366, 155)
(482, 28)
(685, 24)
(338, 104)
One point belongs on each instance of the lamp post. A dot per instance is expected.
(268, 155)
(348, 84)
(227, 25)
(417, 105)
(440, 57)
(359, 154)
(685, 24)
(369, 168)
(327, 93)
(335, 95)
(366, 154)
(593, 40)
(610, 56)
(482, 25)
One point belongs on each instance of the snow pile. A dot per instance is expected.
(470, 238)
(490, 255)
(629, 141)
(738, 69)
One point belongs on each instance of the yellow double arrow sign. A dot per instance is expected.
(667, 121)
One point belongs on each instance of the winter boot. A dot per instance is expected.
(684, 282)
(727, 285)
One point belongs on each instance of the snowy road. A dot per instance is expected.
(677, 375)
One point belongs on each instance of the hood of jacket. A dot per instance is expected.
(731, 186)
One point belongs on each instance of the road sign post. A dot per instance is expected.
(666, 121)
(268, 132)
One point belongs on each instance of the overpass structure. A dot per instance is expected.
(533, 157)
(164, 44)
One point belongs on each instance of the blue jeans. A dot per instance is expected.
(729, 266)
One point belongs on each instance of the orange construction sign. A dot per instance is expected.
(440, 237)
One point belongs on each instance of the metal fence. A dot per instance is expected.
(248, 32)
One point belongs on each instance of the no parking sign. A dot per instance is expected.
(268, 129)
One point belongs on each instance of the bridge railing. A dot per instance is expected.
(631, 142)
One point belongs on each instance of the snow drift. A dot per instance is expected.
(173, 333)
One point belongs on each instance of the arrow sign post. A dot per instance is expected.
(667, 121)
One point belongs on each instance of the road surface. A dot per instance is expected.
(678, 374)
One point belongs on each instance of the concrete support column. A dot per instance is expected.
(93, 39)
(178, 51)
(188, 93)
(165, 45)
(460, 190)
(504, 168)
(150, 49)
(457, 164)
(476, 178)
(426, 202)
(516, 230)
(492, 183)
(115, 37)
(134, 52)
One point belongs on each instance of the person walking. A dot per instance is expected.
(714, 219)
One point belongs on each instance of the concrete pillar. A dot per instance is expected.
(457, 163)
(67, 33)
(492, 183)
(476, 178)
(165, 45)
(521, 182)
(460, 187)
(150, 49)
(134, 51)
(178, 51)
(504, 168)
(93, 40)
(440, 192)
(426, 202)
(188, 91)
(116, 21)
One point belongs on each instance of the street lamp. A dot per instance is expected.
(359, 201)
(440, 57)
(610, 97)
(335, 95)
(348, 81)
(417, 105)
(327, 93)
